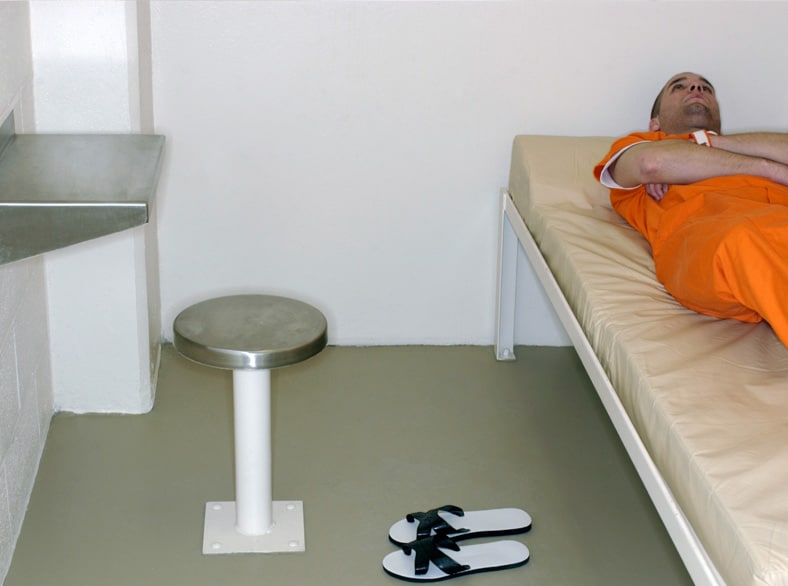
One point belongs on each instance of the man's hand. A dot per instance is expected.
(657, 190)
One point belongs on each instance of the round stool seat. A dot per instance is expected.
(250, 331)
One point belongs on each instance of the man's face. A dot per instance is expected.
(687, 104)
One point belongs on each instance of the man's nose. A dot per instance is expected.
(696, 87)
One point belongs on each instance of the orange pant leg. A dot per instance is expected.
(730, 260)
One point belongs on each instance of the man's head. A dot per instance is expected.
(685, 104)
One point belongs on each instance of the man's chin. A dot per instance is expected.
(697, 109)
(700, 118)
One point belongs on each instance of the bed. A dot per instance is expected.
(700, 404)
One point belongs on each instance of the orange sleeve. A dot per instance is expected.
(634, 205)
(624, 143)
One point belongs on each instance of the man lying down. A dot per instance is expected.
(713, 206)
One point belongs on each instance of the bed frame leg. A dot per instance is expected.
(508, 248)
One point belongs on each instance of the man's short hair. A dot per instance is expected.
(657, 103)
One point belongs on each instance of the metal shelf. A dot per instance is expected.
(60, 189)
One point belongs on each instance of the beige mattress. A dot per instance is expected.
(708, 397)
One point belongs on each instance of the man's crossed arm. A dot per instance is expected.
(660, 164)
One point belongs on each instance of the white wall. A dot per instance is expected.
(350, 153)
(25, 378)
(104, 313)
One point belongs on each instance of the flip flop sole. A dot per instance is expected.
(485, 557)
(488, 523)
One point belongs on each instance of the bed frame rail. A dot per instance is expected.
(514, 234)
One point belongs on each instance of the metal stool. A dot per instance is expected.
(251, 334)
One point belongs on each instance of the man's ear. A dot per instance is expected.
(653, 124)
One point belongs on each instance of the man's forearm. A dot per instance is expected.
(680, 162)
(767, 145)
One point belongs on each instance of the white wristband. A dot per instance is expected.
(701, 137)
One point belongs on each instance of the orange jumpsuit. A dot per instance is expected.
(720, 246)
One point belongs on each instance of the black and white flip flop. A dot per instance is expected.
(428, 559)
(458, 524)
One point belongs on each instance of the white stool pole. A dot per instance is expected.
(252, 413)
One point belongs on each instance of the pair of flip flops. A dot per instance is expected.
(430, 551)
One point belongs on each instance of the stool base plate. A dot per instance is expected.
(285, 536)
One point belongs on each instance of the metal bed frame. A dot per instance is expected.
(513, 235)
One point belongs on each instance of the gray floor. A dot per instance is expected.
(362, 436)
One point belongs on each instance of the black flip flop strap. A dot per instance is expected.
(432, 521)
(427, 551)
